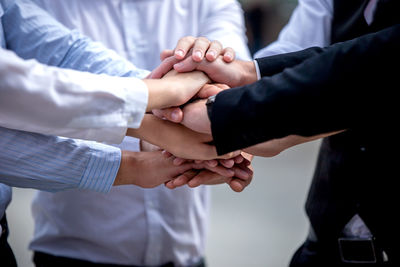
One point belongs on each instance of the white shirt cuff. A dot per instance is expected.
(257, 69)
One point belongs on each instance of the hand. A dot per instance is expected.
(198, 48)
(175, 114)
(177, 139)
(174, 89)
(195, 117)
(147, 169)
(276, 146)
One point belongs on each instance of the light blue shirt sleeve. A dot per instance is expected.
(53, 44)
(54, 163)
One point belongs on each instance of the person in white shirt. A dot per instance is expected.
(162, 226)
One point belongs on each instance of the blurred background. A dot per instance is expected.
(260, 227)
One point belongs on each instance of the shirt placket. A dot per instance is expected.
(135, 40)
(153, 250)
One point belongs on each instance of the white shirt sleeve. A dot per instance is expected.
(49, 100)
(309, 25)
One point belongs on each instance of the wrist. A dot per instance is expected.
(125, 174)
(248, 73)
(161, 94)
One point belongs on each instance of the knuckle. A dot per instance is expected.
(203, 40)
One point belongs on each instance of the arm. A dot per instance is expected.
(84, 113)
(340, 82)
(176, 139)
(48, 100)
(55, 164)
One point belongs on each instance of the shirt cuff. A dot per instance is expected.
(102, 168)
(136, 103)
(257, 70)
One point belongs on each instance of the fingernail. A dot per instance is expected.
(179, 53)
(197, 54)
(229, 55)
(175, 115)
(212, 53)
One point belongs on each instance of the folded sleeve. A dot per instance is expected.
(54, 164)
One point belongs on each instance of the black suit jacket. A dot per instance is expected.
(317, 90)
(350, 85)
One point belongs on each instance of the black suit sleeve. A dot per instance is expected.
(275, 64)
(346, 85)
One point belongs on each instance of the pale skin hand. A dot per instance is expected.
(195, 48)
(195, 117)
(234, 74)
(179, 140)
(175, 114)
(174, 89)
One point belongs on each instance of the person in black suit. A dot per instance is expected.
(347, 88)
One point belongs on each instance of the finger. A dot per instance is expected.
(185, 65)
(202, 178)
(184, 178)
(214, 50)
(239, 159)
(221, 170)
(228, 54)
(211, 163)
(229, 155)
(200, 48)
(173, 114)
(208, 90)
(222, 86)
(237, 185)
(242, 172)
(227, 163)
(166, 154)
(163, 68)
(183, 46)
(179, 161)
(166, 53)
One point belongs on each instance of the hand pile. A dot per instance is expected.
(234, 169)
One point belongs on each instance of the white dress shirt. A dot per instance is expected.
(43, 99)
(131, 225)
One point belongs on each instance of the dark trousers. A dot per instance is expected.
(312, 254)
(7, 258)
(46, 260)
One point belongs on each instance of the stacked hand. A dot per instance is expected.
(185, 129)
(193, 157)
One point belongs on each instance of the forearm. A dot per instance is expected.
(340, 83)
(48, 100)
(175, 138)
(54, 164)
(174, 89)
